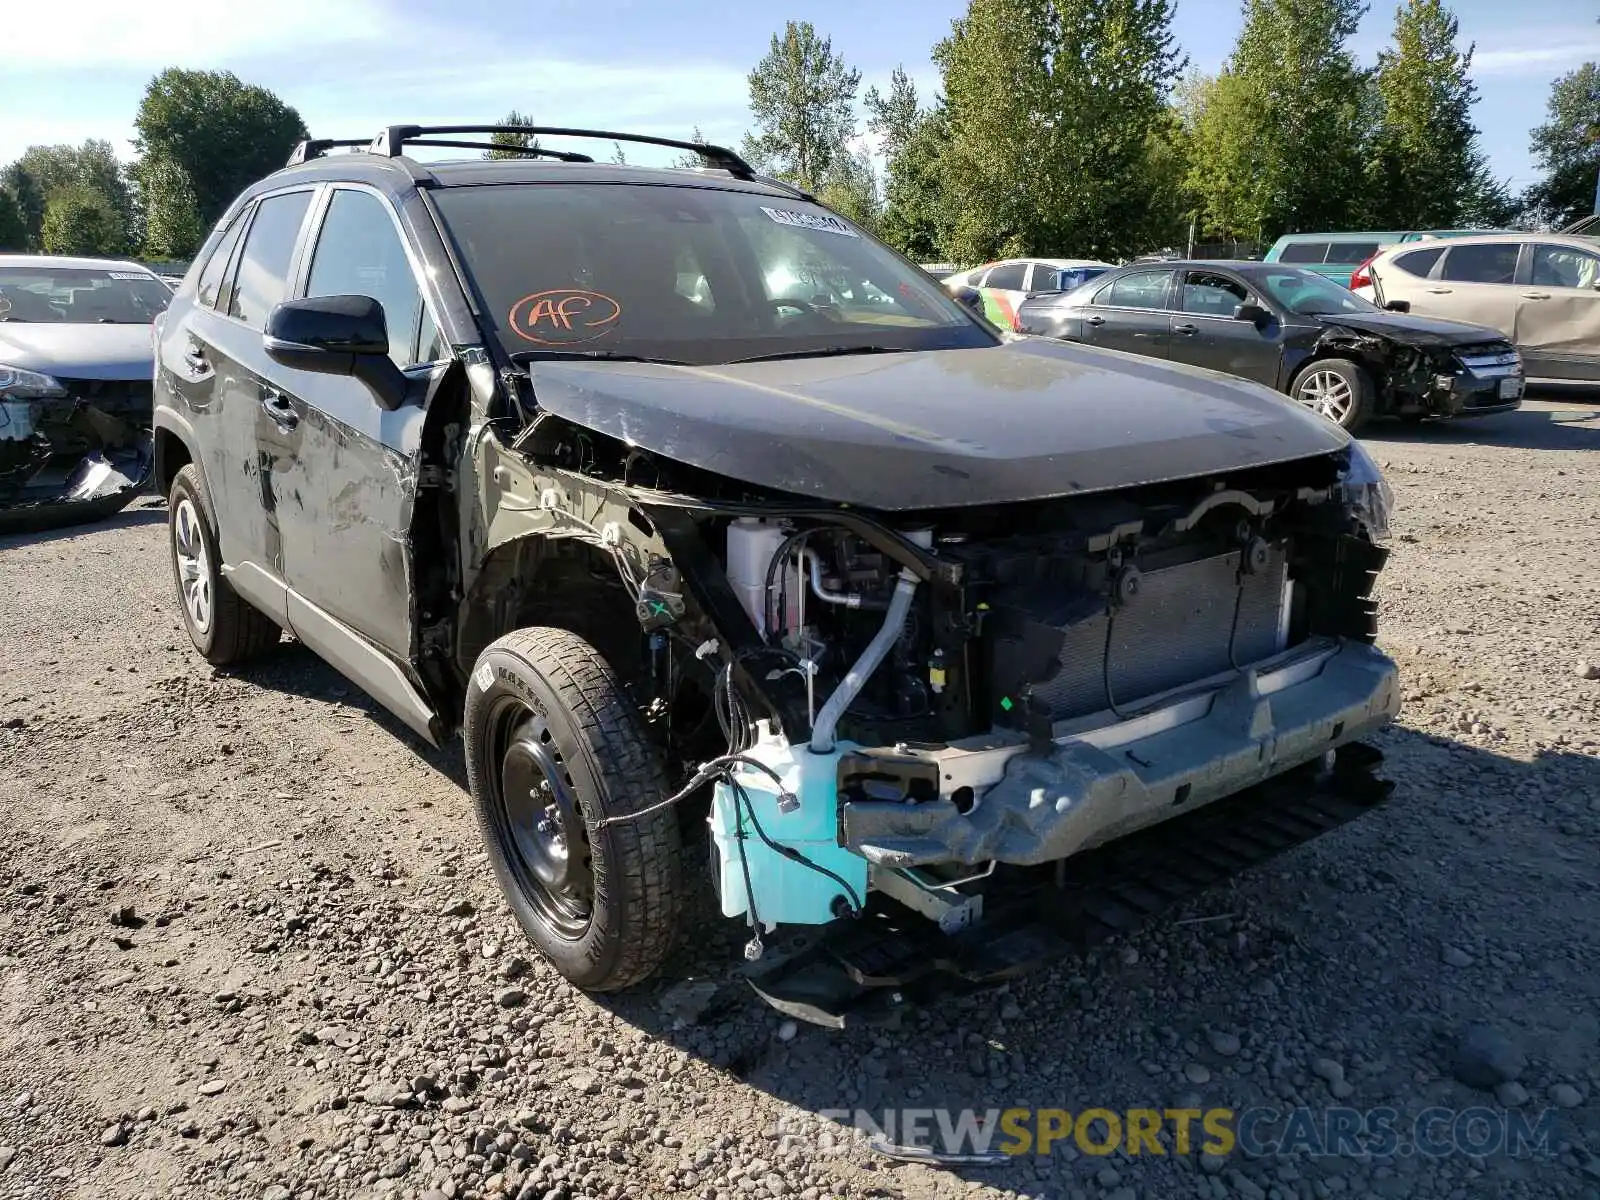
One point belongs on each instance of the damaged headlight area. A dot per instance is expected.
(69, 452)
(1367, 493)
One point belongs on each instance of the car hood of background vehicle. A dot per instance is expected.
(943, 428)
(78, 351)
(1411, 330)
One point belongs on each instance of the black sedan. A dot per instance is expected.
(1293, 330)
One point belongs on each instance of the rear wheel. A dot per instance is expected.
(554, 747)
(222, 626)
(1337, 388)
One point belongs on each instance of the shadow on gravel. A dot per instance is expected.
(147, 511)
(296, 671)
(1525, 429)
(1081, 1033)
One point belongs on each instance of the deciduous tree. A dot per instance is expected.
(173, 229)
(802, 96)
(1051, 107)
(225, 133)
(911, 139)
(1424, 165)
(526, 141)
(79, 219)
(1567, 149)
(13, 228)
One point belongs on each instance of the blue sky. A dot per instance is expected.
(76, 68)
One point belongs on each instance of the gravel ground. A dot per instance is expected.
(249, 945)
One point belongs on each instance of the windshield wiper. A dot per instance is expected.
(533, 356)
(824, 352)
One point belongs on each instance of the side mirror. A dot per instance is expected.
(337, 335)
(1399, 306)
(1253, 313)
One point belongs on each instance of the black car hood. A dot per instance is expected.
(1409, 330)
(1024, 420)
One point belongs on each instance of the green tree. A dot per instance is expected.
(911, 141)
(1567, 149)
(224, 133)
(29, 197)
(79, 219)
(512, 141)
(92, 165)
(13, 226)
(1051, 106)
(173, 229)
(690, 160)
(802, 96)
(851, 189)
(1286, 123)
(1424, 164)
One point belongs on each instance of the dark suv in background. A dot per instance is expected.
(712, 523)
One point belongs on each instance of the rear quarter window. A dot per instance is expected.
(1351, 252)
(1418, 262)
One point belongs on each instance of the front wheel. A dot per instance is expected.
(553, 747)
(1337, 388)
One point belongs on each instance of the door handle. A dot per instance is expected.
(1094, 320)
(1536, 295)
(196, 358)
(276, 405)
(1441, 291)
(1185, 330)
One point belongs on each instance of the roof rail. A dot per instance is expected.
(393, 141)
(317, 147)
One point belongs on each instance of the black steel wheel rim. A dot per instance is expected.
(546, 841)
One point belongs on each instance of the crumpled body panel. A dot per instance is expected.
(69, 460)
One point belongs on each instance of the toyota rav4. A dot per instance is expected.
(723, 535)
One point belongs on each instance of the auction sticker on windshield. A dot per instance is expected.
(805, 220)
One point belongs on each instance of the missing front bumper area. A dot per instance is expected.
(868, 970)
(68, 462)
(1097, 785)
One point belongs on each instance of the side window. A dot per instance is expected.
(1419, 262)
(1304, 252)
(1139, 289)
(430, 345)
(268, 250)
(210, 285)
(359, 253)
(1210, 295)
(1351, 252)
(1564, 266)
(1046, 278)
(1007, 277)
(1495, 263)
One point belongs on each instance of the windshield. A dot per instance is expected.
(695, 275)
(78, 296)
(1310, 295)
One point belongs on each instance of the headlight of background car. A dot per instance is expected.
(1367, 493)
(18, 390)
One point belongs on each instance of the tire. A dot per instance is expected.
(1337, 388)
(222, 626)
(553, 745)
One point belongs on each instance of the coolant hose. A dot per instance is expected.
(894, 621)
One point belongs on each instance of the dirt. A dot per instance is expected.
(249, 945)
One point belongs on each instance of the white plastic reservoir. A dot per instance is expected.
(751, 544)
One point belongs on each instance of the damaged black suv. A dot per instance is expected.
(721, 533)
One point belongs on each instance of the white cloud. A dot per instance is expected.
(97, 34)
(1534, 60)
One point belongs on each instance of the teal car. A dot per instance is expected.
(1337, 255)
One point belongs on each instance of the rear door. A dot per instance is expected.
(1558, 313)
(1474, 282)
(1205, 333)
(221, 347)
(1132, 312)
